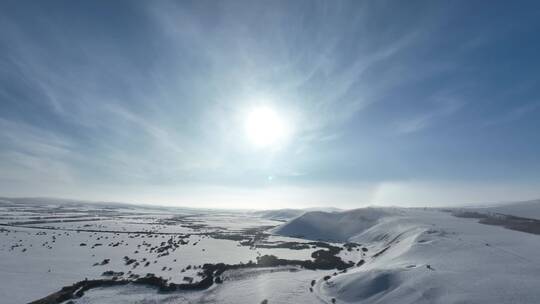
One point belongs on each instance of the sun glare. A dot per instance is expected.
(264, 127)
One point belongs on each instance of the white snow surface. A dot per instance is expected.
(280, 214)
(429, 256)
(288, 214)
(334, 226)
(411, 255)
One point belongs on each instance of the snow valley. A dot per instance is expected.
(60, 251)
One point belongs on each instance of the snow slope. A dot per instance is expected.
(287, 214)
(335, 226)
(280, 214)
(427, 256)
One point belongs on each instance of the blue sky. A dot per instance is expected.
(388, 102)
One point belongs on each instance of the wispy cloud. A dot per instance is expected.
(442, 108)
(159, 95)
(514, 114)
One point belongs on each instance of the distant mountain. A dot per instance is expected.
(527, 209)
(324, 209)
(72, 203)
(40, 201)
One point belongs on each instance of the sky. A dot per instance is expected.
(413, 103)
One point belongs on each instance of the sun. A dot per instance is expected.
(265, 127)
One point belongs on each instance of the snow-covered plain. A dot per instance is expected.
(44, 247)
(400, 255)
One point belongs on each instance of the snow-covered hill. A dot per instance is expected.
(287, 214)
(334, 226)
(425, 256)
(280, 214)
